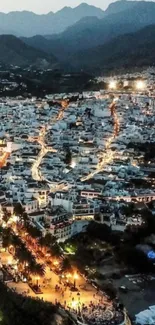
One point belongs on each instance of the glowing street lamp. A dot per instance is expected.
(37, 278)
(75, 277)
(113, 84)
(9, 261)
(74, 304)
(140, 85)
(68, 276)
(56, 263)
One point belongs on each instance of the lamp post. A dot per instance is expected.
(37, 278)
(68, 276)
(75, 277)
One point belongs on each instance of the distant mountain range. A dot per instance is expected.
(91, 31)
(123, 35)
(27, 23)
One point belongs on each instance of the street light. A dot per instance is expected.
(68, 276)
(75, 277)
(140, 85)
(112, 84)
(37, 278)
(56, 263)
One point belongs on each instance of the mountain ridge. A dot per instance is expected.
(43, 24)
(92, 31)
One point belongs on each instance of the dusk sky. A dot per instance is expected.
(46, 5)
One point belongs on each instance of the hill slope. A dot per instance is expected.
(129, 50)
(91, 31)
(14, 51)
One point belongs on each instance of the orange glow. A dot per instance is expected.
(75, 276)
(3, 159)
(68, 275)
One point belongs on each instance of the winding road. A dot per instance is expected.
(105, 156)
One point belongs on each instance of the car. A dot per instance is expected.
(123, 289)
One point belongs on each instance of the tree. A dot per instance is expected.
(24, 256)
(56, 250)
(68, 157)
(18, 210)
(6, 215)
(33, 231)
(7, 237)
(47, 241)
(66, 266)
(99, 231)
(128, 210)
(37, 270)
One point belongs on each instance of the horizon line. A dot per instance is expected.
(50, 12)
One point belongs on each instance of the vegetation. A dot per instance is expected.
(66, 266)
(26, 260)
(68, 157)
(17, 309)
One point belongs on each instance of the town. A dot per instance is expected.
(70, 165)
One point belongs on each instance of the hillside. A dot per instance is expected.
(16, 52)
(126, 51)
(91, 32)
(45, 24)
(118, 6)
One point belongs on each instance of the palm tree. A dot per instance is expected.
(47, 241)
(15, 242)
(33, 231)
(55, 250)
(18, 210)
(6, 215)
(7, 237)
(66, 266)
(37, 270)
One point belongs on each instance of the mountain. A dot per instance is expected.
(125, 51)
(16, 52)
(28, 24)
(91, 31)
(119, 6)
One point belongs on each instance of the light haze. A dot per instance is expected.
(45, 6)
